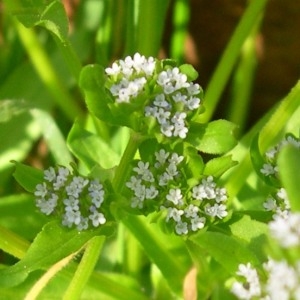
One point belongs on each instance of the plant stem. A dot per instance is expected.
(85, 268)
(122, 169)
(44, 68)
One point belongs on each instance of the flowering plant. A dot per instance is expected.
(139, 194)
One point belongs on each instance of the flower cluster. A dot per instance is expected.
(270, 168)
(78, 197)
(130, 76)
(171, 107)
(159, 186)
(279, 204)
(172, 100)
(286, 230)
(283, 282)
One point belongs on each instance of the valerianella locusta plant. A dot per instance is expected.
(76, 199)
(151, 96)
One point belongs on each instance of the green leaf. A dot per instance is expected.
(226, 250)
(253, 232)
(32, 13)
(28, 177)
(189, 71)
(91, 149)
(288, 164)
(52, 244)
(214, 138)
(92, 82)
(219, 165)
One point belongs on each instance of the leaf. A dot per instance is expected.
(33, 13)
(92, 82)
(189, 71)
(219, 165)
(28, 177)
(253, 232)
(226, 250)
(288, 164)
(52, 244)
(91, 149)
(53, 136)
(213, 138)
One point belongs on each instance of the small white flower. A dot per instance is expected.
(217, 210)
(193, 103)
(141, 167)
(175, 158)
(160, 101)
(47, 206)
(114, 70)
(174, 213)
(151, 111)
(268, 170)
(137, 202)
(73, 217)
(41, 190)
(270, 204)
(161, 157)
(164, 179)
(151, 192)
(181, 228)
(175, 196)
(252, 286)
(193, 89)
(172, 169)
(71, 203)
(162, 116)
(180, 130)
(96, 217)
(178, 97)
(49, 175)
(167, 129)
(83, 224)
(197, 223)
(191, 211)
(286, 230)
(133, 183)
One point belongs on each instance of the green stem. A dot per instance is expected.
(44, 68)
(12, 243)
(122, 169)
(229, 57)
(85, 268)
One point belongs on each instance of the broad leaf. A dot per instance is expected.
(219, 165)
(214, 138)
(52, 244)
(226, 250)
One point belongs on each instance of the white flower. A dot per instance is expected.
(160, 101)
(133, 183)
(175, 196)
(137, 202)
(193, 103)
(167, 129)
(217, 210)
(83, 224)
(71, 203)
(252, 286)
(179, 97)
(181, 228)
(114, 70)
(161, 157)
(180, 130)
(286, 230)
(141, 167)
(175, 158)
(96, 217)
(162, 116)
(172, 169)
(61, 178)
(49, 175)
(193, 89)
(151, 111)
(41, 190)
(268, 170)
(72, 217)
(197, 223)
(191, 211)
(283, 280)
(47, 206)
(270, 204)
(151, 192)
(174, 213)
(164, 179)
